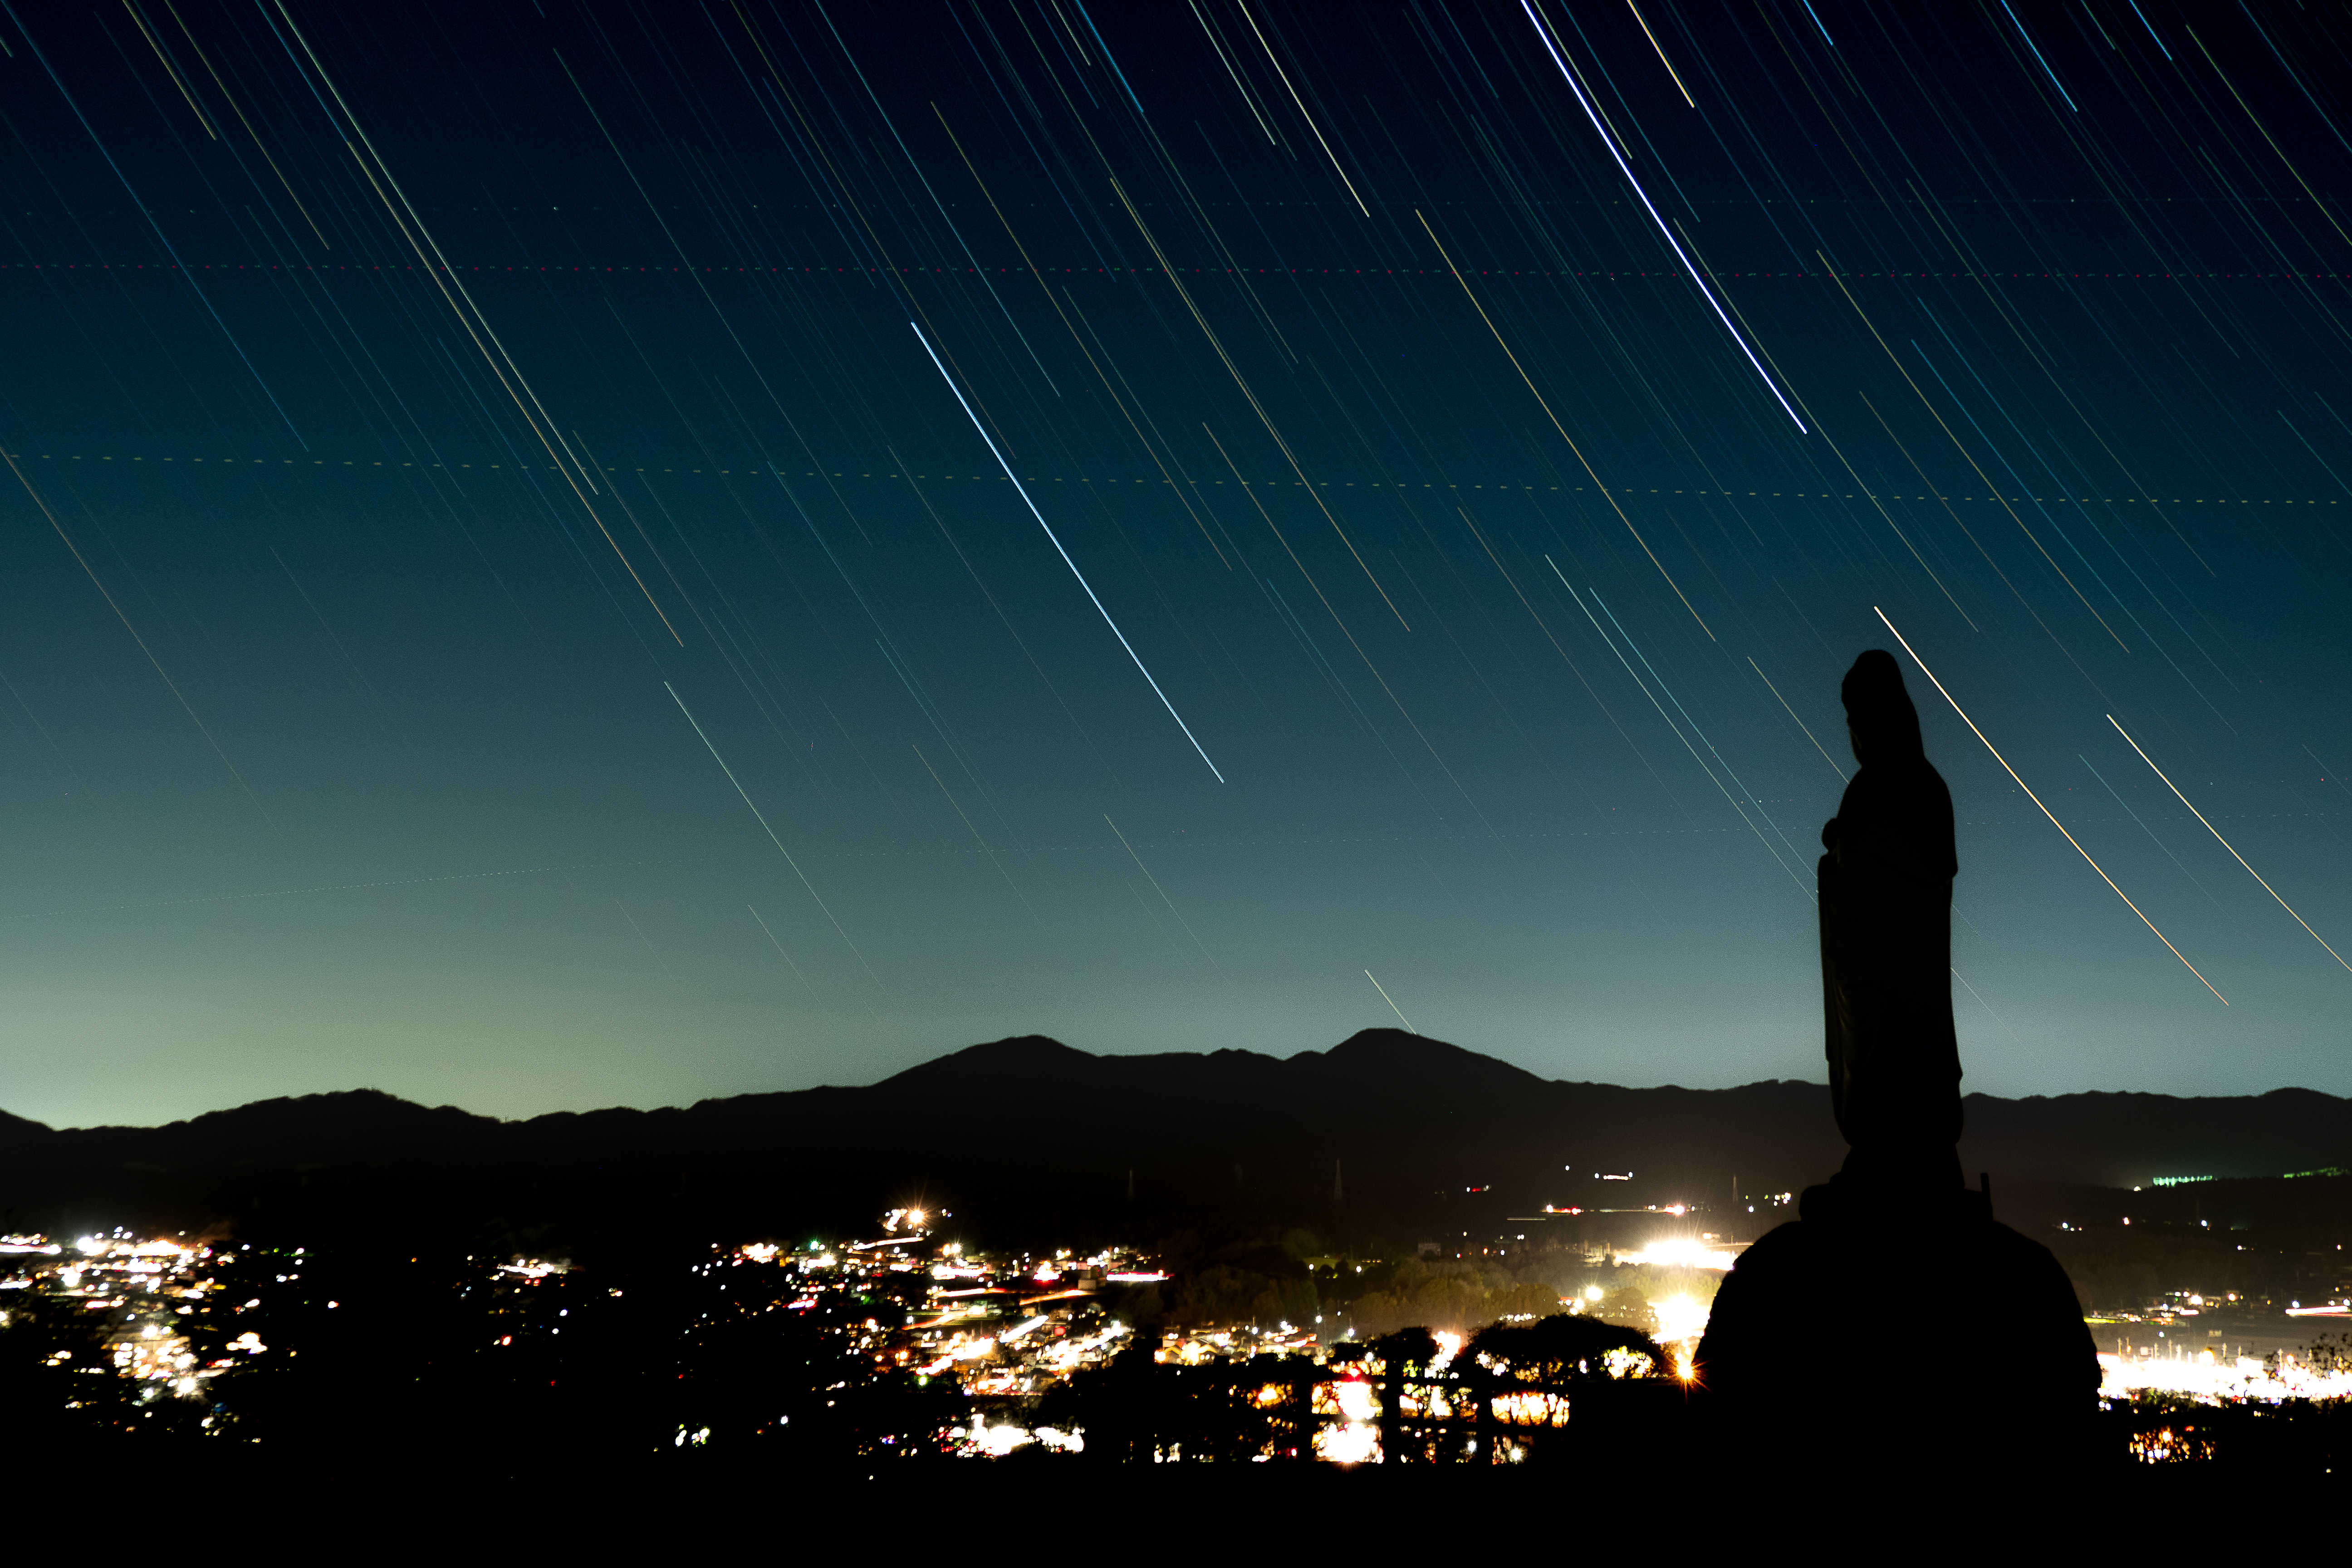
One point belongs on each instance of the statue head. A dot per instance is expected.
(1879, 718)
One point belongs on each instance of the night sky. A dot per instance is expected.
(510, 596)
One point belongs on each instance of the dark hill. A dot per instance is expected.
(1421, 1136)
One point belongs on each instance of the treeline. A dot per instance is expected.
(1461, 1302)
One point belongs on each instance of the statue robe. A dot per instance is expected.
(1886, 942)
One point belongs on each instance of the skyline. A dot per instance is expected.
(617, 557)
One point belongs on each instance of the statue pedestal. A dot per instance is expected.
(1898, 1332)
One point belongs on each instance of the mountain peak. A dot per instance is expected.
(1416, 1058)
(990, 1062)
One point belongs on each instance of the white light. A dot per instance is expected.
(1680, 1252)
(1680, 1318)
(1352, 1444)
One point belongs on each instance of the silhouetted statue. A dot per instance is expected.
(1895, 1325)
(1886, 946)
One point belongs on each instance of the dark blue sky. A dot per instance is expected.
(420, 411)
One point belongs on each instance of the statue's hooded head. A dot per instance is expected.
(1879, 717)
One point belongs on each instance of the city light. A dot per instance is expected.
(2212, 1380)
(1682, 1252)
(1002, 1331)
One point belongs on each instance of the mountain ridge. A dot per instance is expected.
(1402, 1125)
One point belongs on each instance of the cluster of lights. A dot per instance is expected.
(1683, 1252)
(155, 1284)
(2168, 1446)
(1006, 1328)
(1001, 1328)
(1202, 1347)
(2214, 1379)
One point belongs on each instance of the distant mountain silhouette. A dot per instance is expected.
(1017, 1134)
